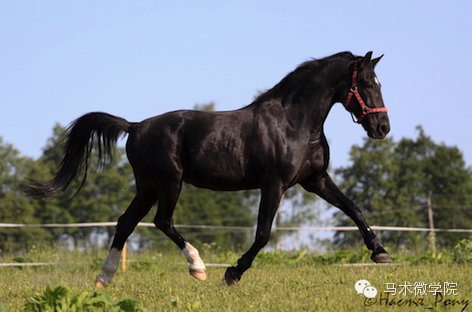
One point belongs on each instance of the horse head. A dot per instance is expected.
(364, 98)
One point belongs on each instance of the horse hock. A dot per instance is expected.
(196, 266)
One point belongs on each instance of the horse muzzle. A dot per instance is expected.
(379, 128)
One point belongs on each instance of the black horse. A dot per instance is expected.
(271, 144)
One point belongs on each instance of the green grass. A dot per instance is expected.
(277, 282)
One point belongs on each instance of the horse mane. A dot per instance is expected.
(295, 80)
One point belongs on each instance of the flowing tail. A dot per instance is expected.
(94, 129)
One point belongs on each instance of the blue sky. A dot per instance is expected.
(136, 59)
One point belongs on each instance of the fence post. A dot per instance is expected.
(123, 258)
(432, 235)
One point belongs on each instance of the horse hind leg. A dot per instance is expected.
(164, 221)
(138, 208)
(196, 266)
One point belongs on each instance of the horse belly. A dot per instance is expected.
(219, 173)
(219, 184)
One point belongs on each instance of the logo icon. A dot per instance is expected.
(370, 291)
(364, 287)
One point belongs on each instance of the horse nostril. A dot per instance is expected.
(384, 129)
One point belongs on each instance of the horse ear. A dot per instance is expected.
(365, 61)
(376, 60)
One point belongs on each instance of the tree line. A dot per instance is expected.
(390, 181)
(395, 182)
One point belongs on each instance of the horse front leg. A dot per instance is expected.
(326, 189)
(270, 201)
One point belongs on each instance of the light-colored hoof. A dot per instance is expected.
(199, 274)
(100, 281)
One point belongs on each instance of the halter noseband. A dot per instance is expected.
(364, 108)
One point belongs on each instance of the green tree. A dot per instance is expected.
(14, 206)
(391, 183)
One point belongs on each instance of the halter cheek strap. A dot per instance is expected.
(364, 108)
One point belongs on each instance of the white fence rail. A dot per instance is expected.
(213, 227)
(217, 227)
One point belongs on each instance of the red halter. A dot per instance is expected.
(364, 108)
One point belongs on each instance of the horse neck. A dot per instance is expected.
(305, 101)
(317, 108)
(320, 96)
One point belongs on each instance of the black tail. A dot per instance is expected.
(94, 129)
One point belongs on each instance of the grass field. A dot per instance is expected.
(277, 282)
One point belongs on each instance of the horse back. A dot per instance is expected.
(207, 149)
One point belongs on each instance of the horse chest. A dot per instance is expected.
(317, 156)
